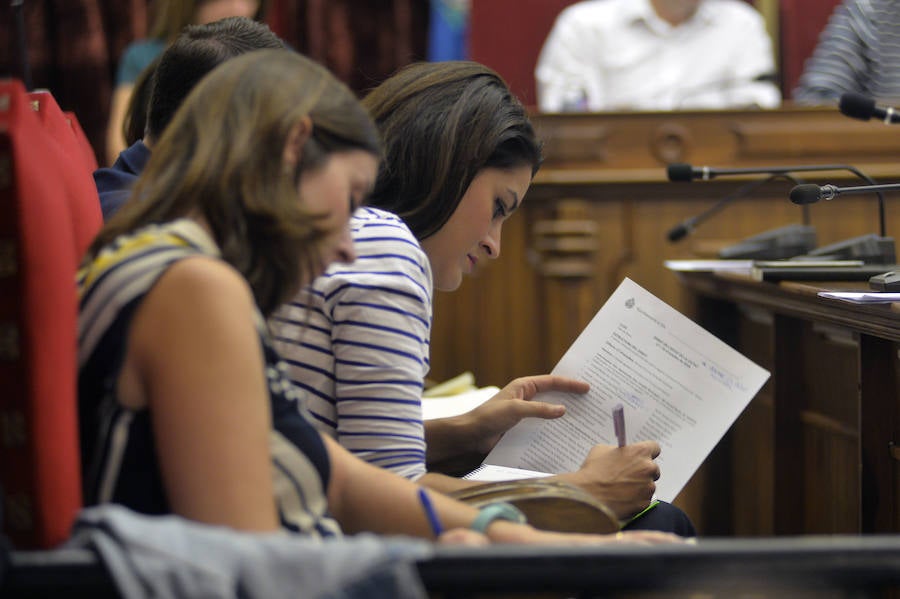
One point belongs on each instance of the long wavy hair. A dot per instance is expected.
(442, 123)
(222, 158)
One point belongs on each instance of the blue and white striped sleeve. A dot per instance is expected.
(365, 352)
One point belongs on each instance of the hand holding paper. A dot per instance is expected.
(679, 387)
(482, 427)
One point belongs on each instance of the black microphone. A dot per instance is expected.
(862, 107)
(687, 172)
(810, 193)
(682, 229)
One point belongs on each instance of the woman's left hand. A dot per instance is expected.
(482, 427)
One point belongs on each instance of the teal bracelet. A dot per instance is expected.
(497, 511)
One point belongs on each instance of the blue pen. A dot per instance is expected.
(433, 521)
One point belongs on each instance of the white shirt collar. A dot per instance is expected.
(642, 11)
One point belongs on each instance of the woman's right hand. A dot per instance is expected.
(624, 478)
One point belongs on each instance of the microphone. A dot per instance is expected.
(682, 229)
(686, 172)
(862, 107)
(809, 193)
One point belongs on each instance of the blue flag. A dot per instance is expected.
(448, 30)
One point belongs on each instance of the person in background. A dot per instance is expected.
(460, 156)
(656, 55)
(169, 18)
(858, 51)
(197, 51)
(134, 124)
(183, 403)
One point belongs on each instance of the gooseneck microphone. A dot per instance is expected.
(862, 107)
(685, 227)
(810, 193)
(687, 172)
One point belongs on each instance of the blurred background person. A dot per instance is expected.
(656, 55)
(858, 51)
(194, 53)
(169, 18)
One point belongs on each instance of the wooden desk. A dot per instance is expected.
(815, 451)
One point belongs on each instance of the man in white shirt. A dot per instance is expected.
(656, 55)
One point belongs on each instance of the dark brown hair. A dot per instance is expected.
(196, 52)
(442, 123)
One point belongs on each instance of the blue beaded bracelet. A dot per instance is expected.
(497, 511)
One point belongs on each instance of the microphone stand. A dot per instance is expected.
(871, 248)
(784, 242)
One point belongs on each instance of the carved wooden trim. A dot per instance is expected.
(564, 245)
(572, 142)
(672, 142)
(625, 145)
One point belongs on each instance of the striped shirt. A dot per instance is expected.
(118, 450)
(858, 51)
(357, 342)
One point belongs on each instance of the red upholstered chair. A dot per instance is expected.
(73, 164)
(48, 213)
(82, 140)
(63, 127)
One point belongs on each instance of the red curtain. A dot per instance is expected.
(73, 46)
(512, 50)
(361, 41)
(72, 49)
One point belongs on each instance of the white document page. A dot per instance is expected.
(454, 405)
(742, 266)
(862, 297)
(490, 473)
(679, 385)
